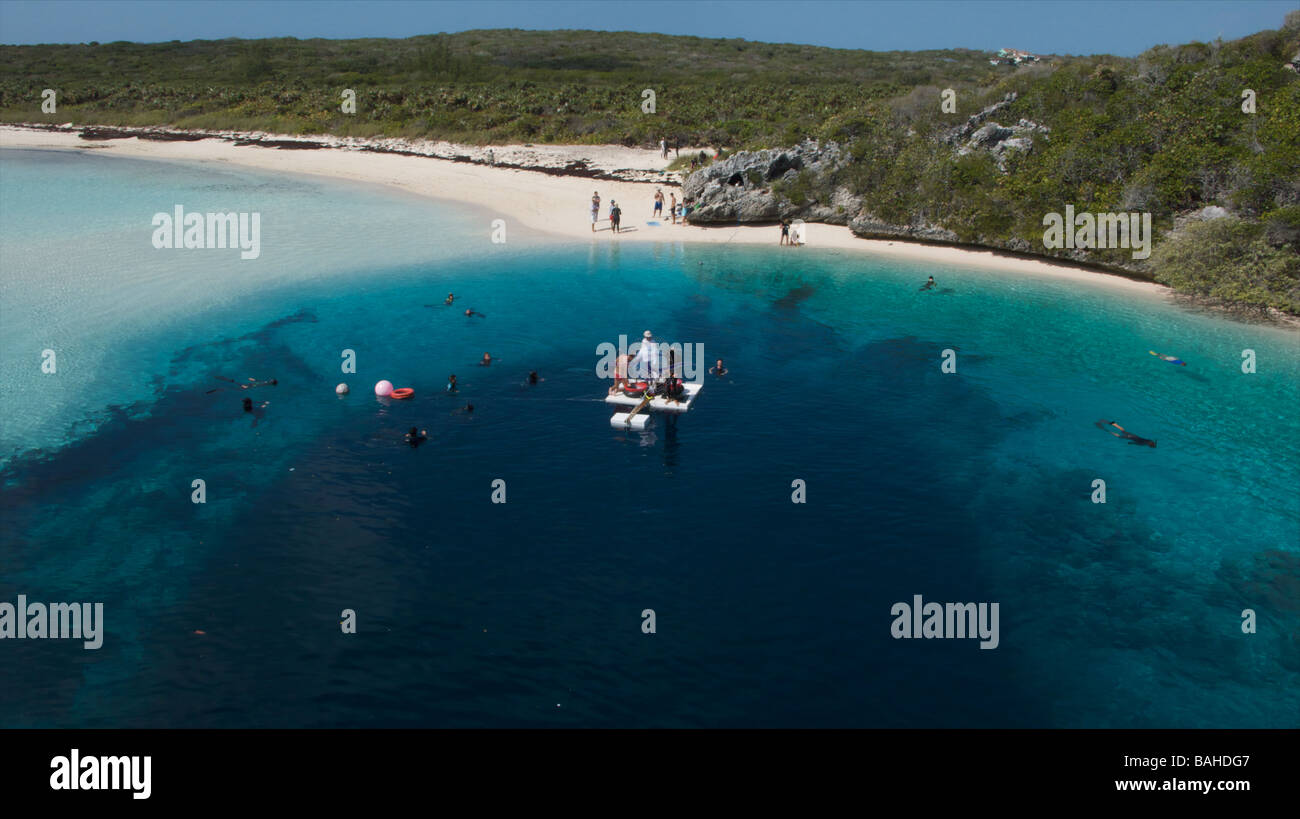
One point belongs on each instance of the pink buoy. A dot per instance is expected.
(384, 389)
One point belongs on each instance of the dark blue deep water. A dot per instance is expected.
(971, 486)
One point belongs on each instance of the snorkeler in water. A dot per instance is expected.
(253, 382)
(255, 410)
(1168, 358)
(1125, 434)
(416, 437)
(451, 384)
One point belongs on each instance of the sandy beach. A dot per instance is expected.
(550, 204)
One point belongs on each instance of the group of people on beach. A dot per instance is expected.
(676, 210)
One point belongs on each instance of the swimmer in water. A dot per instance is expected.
(451, 384)
(416, 437)
(533, 379)
(718, 369)
(487, 360)
(272, 383)
(468, 409)
(255, 411)
(1125, 434)
(1168, 358)
(450, 298)
(469, 313)
(929, 284)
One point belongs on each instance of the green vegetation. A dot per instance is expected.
(483, 87)
(1231, 261)
(1162, 133)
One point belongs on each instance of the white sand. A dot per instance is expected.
(558, 206)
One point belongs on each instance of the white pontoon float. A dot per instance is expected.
(638, 415)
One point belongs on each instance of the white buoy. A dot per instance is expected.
(640, 421)
(341, 389)
(384, 389)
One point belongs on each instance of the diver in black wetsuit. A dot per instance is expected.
(1125, 434)
(416, 437)
(255, 411)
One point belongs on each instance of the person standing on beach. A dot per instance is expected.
(492, 159)
(659, 203)
(785, 232)
(672, 206)
(595, 209)
(615, 214)
(663, 148)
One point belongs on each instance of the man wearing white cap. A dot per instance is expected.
(647, 358)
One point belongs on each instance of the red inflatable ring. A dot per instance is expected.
(404, 392)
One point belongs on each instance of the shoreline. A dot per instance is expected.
(551, 198)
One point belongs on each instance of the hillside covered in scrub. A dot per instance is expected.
(1163, 133)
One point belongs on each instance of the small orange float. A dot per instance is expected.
(403, 392)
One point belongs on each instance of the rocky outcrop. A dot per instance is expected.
(1205, 214)
(964, 132)
(740, 187)
(868, 226)
(982, 133)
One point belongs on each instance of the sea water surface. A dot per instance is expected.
(972, 486)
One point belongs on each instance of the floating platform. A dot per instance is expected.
(626, 420)
(658, 403)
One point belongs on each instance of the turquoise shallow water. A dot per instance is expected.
(971, 486)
